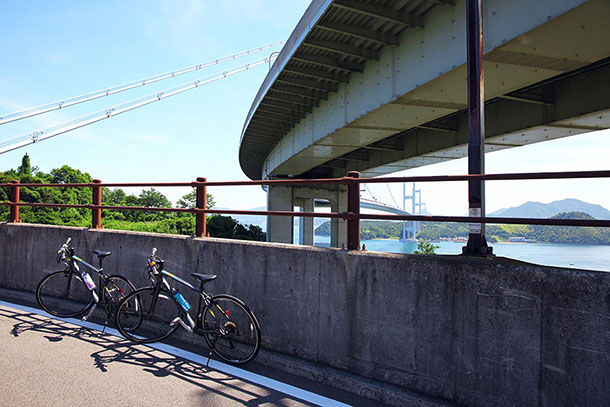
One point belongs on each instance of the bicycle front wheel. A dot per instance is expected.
(64, 294)
(231, 329)
(146, 316)
(114, 291)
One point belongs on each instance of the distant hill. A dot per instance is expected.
(542, 210)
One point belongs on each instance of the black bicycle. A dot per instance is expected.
(229, 327)
(72, 292)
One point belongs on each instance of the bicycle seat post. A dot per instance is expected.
(100, 256)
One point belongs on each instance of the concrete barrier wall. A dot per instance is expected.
(475, 331)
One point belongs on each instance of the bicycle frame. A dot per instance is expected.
(72, 264)
(161, 285)
(203, 300)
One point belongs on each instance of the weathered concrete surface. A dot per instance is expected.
(482, 332)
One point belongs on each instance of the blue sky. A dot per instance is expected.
(58, 49)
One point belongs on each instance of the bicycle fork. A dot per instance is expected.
(88, 281)
(96, 300)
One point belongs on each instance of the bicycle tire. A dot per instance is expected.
(233, 334)
(114, 291)
(64, 294)
(147, 324)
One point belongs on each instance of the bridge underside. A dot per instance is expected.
(547, 75)
(548, 110)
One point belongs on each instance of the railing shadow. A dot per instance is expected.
(113, 350)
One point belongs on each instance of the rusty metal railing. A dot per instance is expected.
(352, 216)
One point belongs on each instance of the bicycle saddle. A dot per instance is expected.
(204, 278)
(101, 254)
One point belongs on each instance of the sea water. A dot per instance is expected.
(589, 257)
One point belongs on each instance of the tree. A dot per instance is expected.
(150, 221)
(190, 200)
(152, 198)
(425, 247)
(227, 227)
(25, 168)
(69, 175)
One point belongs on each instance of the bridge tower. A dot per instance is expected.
(411, 229)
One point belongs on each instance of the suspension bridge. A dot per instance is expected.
(410, 229)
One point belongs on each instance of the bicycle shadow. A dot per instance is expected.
(114, 350)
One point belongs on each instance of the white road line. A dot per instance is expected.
(193, 357)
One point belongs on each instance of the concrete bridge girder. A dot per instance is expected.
(424, 79)
(509, 123)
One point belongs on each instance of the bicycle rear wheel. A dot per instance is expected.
(145, 317)
(64, 294)
(114, 291)
(231, 329)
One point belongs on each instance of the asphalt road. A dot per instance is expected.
(50, 362)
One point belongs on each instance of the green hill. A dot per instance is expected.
(494, 233)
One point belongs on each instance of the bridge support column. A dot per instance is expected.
(306, 225)
(279, 228)
(338, 227)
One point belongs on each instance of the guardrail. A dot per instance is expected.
(353, 216)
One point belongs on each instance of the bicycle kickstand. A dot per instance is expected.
(210, 355)
(105, 323)
(208, 362)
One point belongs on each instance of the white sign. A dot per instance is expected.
(474, 228)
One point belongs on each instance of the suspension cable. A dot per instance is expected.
(392, 196)
(36, 136)
(60, 104)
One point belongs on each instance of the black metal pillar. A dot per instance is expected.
(477, 245)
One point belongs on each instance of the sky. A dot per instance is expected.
(59, 49)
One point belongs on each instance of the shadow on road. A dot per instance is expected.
(115, 350)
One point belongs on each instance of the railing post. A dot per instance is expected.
(200, 195)
(15, 200)
(96, 213)
(353, 207)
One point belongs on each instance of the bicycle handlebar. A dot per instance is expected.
(61, 253)
(155, 264)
